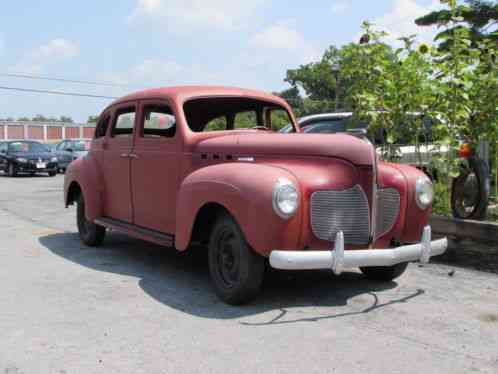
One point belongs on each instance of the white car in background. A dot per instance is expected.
(406, 153)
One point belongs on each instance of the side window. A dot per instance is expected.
(3, 147)
(159, 121)
(102, 126)
(124, 123)
(217, 124)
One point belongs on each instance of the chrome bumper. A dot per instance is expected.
(338, 259)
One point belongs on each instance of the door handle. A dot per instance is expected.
(125, 155)
(133, 155)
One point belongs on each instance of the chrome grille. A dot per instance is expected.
(346, 211)
(388, 202)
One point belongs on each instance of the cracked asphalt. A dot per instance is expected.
(133, 307)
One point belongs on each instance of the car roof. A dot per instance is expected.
(324, 116)
(21, 141)
(184, 93)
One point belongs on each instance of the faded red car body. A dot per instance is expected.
(177, 177)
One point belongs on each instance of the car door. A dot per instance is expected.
(3, 156)
(116, 164)
(61, 154)
(155, 167)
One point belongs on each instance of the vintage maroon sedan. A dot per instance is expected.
(183, 165)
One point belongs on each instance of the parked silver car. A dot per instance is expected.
(69, 150)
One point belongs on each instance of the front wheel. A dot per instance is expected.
(236, 270)
(52, 173)
(12, 170)
(384, 273)
(90, 233)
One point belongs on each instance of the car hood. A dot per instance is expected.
(347, 147)
(79, 154)
(31, 155)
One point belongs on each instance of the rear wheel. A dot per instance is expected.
(384, 273)
(236, 270)
(52, 173)
(90, 233)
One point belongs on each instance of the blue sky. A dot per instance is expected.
(149, 43)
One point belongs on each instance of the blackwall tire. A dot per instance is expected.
(237, 272)
(384, 273)
(90, 233)
(478, 176)
(12, 171)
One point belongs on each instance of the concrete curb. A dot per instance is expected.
(476, 230)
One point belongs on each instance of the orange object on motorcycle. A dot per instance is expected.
(465, 150)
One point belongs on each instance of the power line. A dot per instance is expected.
(56, 79)
(19, 89)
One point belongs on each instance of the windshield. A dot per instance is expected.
(81, 146)
(234, 113)
(31, 147)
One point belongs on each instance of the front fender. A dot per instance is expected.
(84, 172)
(245, 190)
(415, 218)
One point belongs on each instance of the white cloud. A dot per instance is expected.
(400, 20)
(339, 6)
(283, 37)
(53, 52)
(59, 49)
(187, 15)
(154, 72)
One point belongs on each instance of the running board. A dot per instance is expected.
(136, 231)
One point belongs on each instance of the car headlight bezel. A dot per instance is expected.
(285, 198)
(54, 159)
(22, 160)
(424, 192)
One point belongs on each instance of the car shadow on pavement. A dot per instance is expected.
(181, 281)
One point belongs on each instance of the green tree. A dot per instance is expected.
(40, 118)
(480, 17)
(92, 119)
(66, 119)
(390, 89)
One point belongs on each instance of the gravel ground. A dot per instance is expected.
(133, 307)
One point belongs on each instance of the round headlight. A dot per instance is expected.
(424, 192)
(285, 198)
(53, 159)
(21, 159)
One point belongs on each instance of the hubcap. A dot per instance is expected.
(227, 258)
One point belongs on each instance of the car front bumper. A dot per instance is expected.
(30, 167)
(338, 259)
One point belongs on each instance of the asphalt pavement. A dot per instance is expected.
(133, 307)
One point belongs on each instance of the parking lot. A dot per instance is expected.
(133, 307)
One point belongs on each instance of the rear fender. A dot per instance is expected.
(84, 173)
